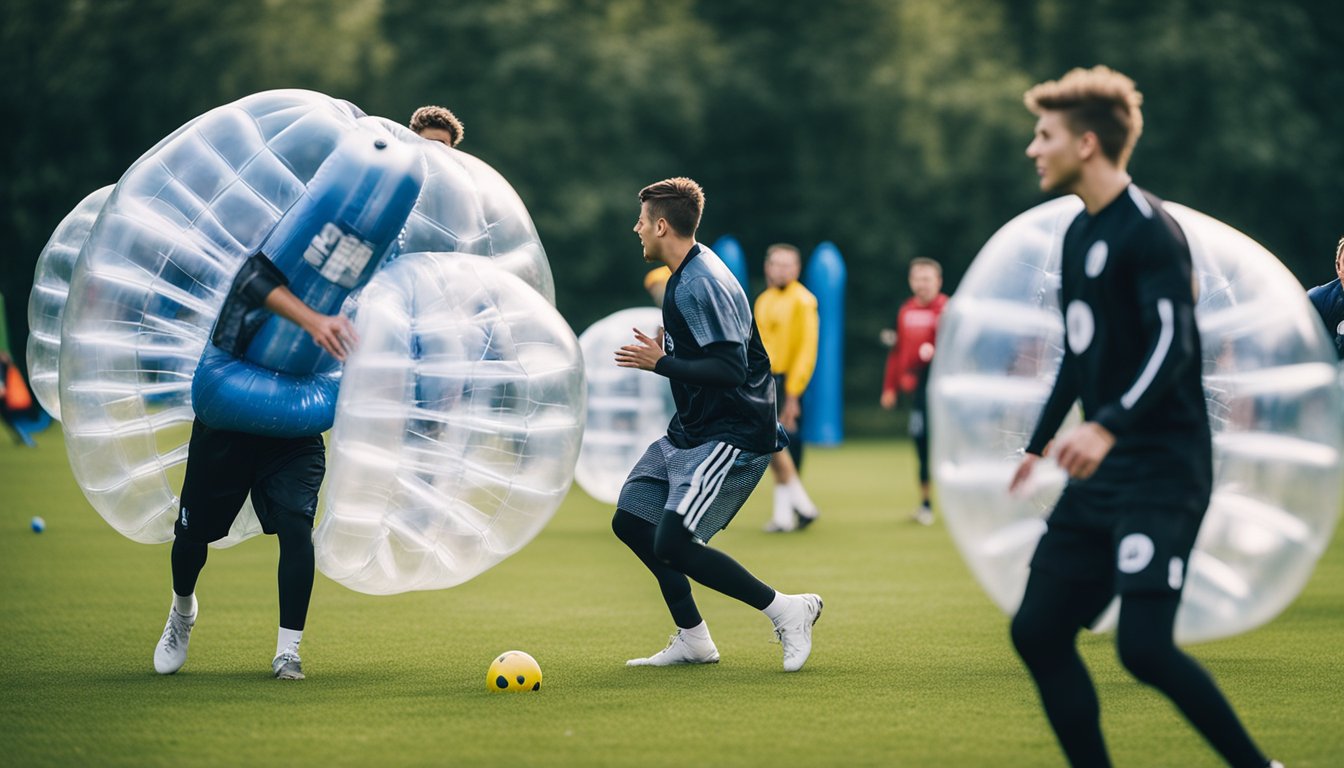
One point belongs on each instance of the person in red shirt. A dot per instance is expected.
(908, 363)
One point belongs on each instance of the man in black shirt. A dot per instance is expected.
(1140, 465)
(282, 474)
(690, 484)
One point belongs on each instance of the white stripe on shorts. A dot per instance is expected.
(705, 484)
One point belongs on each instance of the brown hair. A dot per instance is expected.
(1339, 256)
(1099, 100)
(679, 200)
(923, 261)
(438, 117)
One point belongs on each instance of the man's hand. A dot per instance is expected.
(1080, 451)
(888, 399)
(788, 415)
(1023, 473)
(334, 333)
(643, 354)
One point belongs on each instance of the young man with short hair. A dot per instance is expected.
(1140, 466)
(691, 482)
(1328, 300)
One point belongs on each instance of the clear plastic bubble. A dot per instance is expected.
(155, 269)
(458, 424)
(46, 301)
(627, 408)
(1271, 389)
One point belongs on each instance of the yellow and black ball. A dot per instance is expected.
(513, 671)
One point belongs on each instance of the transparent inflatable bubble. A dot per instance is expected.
(46, 301)
(467, 207)
(1271, 389)
(151, 277)
(627, 408)
(458, 424)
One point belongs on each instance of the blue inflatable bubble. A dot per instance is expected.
(1271, 389)
(627, 408)
(459, 421)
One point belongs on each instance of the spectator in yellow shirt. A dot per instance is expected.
(786, 314)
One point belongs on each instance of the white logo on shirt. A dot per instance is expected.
(1080, 326)
(1136, 552)
(1096, 258)
(1175, 573)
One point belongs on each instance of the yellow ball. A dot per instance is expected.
(513, 671)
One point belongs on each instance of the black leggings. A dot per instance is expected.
(672, 554)
(1044, 633)
(294, 574)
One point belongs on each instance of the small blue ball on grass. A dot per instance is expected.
(38, 524)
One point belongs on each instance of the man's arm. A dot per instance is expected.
(334, 333)
(1062, 397)
(807, 324)
(725, 365)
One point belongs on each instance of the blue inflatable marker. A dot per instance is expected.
(328, 244)
(824, 400)
(730, 251)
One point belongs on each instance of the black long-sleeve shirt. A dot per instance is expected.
(1132, 352)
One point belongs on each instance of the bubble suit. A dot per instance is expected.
(1270, 385)
(157, 264)
(627, 408)
(459, 420)
(46, 301)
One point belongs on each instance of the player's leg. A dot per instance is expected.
(1153, 549)
(285, 497)
(1044, 632)
(641, 502)
(708, 485)
(1071, 583)
(919, 432)
(219, 467)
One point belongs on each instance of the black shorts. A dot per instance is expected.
(1137, 545)
(283, 474)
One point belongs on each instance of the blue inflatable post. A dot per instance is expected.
(824, 400)
(731, 252)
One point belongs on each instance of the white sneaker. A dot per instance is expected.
(287, 666)
(171, 652)
(794, 630)
(681, 649)
(924, 516)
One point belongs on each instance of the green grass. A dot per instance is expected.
(912, 664)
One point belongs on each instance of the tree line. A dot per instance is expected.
(894, 128)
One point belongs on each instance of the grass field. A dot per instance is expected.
(912, 664)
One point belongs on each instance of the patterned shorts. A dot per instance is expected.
(705, 485)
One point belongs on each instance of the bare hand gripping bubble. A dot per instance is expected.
(154, 270)
(628, 408)
(459, 421)
(1270, 384)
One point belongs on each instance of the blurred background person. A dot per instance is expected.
(786, 314)
(1328, 300)
(908, 363)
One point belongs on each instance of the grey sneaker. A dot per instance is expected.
(794, 630)
(680, 649)
(171, 652)
(287, 666)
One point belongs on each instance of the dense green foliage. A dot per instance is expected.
(892, 127)
(912, 664)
